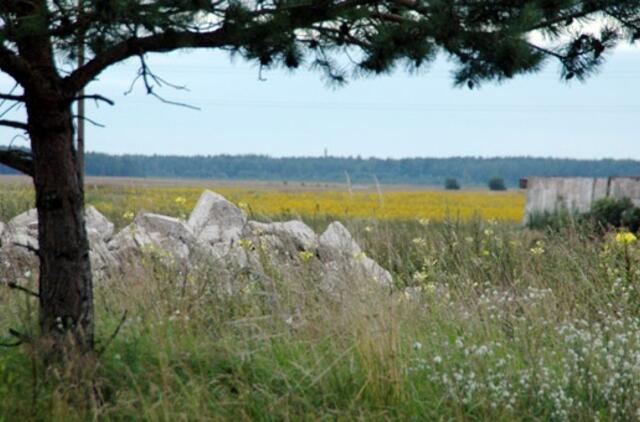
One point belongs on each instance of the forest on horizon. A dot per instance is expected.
(469, 171)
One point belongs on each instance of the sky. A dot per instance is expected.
(391, 116)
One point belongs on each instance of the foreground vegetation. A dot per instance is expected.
(487, 320)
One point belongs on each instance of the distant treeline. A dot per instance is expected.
(469, 171)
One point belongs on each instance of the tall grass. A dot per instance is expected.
(487, 320)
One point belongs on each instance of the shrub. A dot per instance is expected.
(608, 212)
(451, 184)
(497, 183)
(631, 219)
(556, 221)
(605, 213)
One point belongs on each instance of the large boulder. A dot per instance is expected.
(103, 261)
(97, 222)
(28, 220)
(148, 231)
(343, 258)
(18, 244)
(215, 220)
(302, 236)
(22, 231)
(337, 243)
(23, 228)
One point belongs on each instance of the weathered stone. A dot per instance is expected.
(28, 219)
(375, 272)
(337, 243)
(163, 226)
(218, 236)
(103, 262)
(152, 230)
(302, 235)
(343, 257)
(214, 219)
(23, 229)
(339, 274)
(25, 223)
(22, 233)
(98, 222)
(15, 262)
(19, 242)
(127, 242)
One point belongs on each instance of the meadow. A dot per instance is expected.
(121, 199)
(488, 320)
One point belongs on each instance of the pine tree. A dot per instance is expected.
(40, 40)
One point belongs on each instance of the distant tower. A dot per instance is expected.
(326, 153)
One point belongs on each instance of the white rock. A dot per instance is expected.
(214, 219)
(21, 238)
(127, 242)
(22, 232)
(102, 259)
(302, 235)
(337, 243)
(98, 222)
(23, 228)
(342, 273)
(342, 255)
(2, 225)
(375, 272)
(168, 234)
(163, 226)
(25, 223)
(26, 219)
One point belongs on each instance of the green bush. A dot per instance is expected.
(556, 221)
(608, 212)
(631, 219)
(605, 214)
(497, 183)
(451, 184)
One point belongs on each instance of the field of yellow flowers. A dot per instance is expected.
(122, 202)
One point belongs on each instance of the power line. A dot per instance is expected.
(411, 107)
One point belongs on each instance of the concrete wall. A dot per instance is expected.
(625, 187)
(549, 194)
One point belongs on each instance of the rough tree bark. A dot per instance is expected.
(65, 285)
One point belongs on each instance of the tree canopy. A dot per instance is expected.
(487, 39)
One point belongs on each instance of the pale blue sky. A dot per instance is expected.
(292, 114)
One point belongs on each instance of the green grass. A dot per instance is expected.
(488, 321)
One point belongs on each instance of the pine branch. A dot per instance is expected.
(15, 286)
(18, 160)
(9, 97)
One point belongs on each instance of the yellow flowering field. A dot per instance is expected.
(122, 202)
(400, 204)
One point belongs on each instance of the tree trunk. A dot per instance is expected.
(66, 294)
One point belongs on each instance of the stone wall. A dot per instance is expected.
(217, 234)
(549, 194)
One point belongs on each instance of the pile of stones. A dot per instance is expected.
(217, 232)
